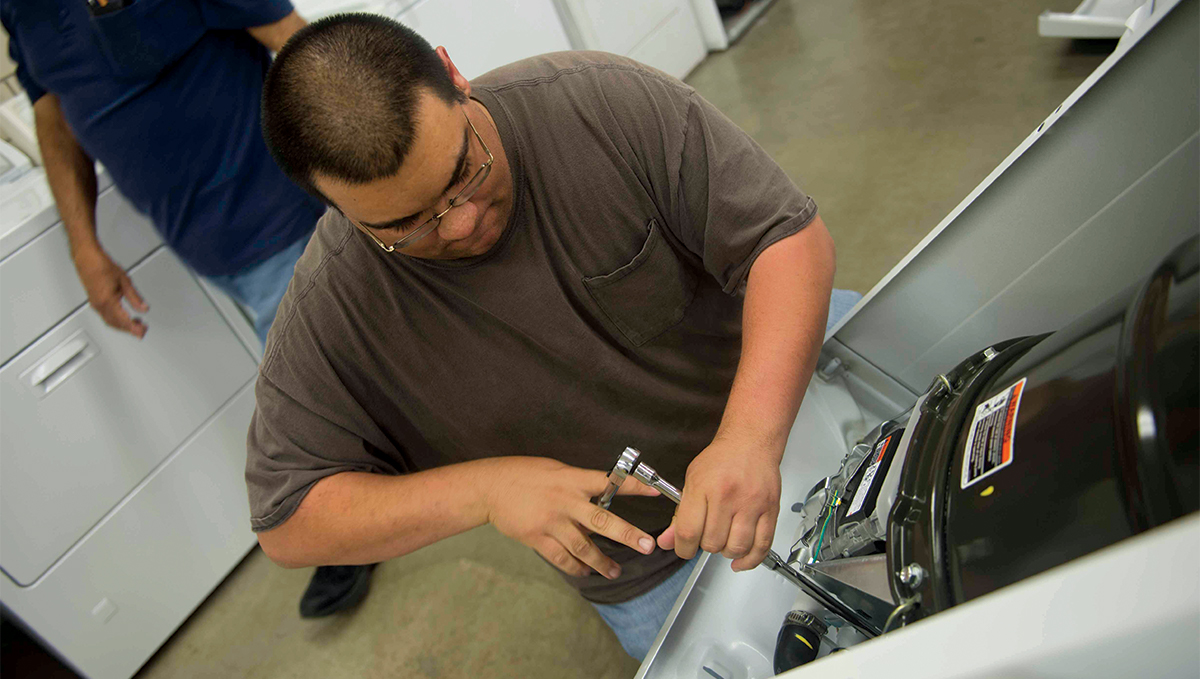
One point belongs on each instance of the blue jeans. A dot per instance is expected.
(259, 289)
(636, 622)
(840, 304)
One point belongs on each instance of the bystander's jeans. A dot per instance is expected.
(259, 289)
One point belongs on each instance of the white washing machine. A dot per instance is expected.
(122, 500)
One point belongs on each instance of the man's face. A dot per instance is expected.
(444, 156)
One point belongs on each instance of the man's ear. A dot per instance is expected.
(457, 78)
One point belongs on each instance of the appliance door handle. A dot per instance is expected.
(62, 362)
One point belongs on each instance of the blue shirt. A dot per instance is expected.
(165, 93)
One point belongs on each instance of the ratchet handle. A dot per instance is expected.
(605, 499)
(668, 490)
(646, 474)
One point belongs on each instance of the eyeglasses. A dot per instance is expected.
(464, 194)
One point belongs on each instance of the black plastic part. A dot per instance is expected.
(1158, 393)
(883, 452)
(796, 644)
(1104, 445)
(916, 525)
(1093, 462)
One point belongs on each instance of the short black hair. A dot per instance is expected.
(341, 98)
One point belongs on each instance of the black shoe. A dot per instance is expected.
(335, 588)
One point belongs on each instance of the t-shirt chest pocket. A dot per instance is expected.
(649, 294)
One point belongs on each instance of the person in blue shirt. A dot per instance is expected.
(165, 94)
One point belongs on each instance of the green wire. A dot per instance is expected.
(821, 539)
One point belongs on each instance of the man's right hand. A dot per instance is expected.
(107, 284)
(546, 505)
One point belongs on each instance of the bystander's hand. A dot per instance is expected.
(107, 284)
(546, 505)
(730, 502)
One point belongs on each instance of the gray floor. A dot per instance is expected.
(888, 113)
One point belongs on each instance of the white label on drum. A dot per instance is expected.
(990, 441)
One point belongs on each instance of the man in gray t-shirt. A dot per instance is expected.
(523, 275)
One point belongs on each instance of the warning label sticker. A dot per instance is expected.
(864, 486)
(990, 440)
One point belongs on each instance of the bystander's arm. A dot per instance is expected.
(72, 177)
(274, 35)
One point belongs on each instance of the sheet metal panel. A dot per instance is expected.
(1081, 210)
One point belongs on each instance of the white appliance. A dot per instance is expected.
(122, 500)
(13, 164)
(24, 191)
(1091, 19)
(664, 34)
(1081, 210)
(720, 31)
(478, 35)
(17, 125)
(481, 36)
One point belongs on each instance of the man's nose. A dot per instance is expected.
(459, 222)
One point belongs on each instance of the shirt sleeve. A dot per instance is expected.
(239, 14)
(733, 200)
(296, 440)
(31, 86)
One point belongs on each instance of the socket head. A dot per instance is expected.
(620, 471)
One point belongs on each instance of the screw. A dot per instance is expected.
(912, 575)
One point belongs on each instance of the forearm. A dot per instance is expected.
(275, 35)
(70, 172)
(783, 326)
(359, 518)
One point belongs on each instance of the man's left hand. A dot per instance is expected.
(730, 503)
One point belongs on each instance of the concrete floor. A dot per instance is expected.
(888, 114)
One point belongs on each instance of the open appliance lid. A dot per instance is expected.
(1099, 193)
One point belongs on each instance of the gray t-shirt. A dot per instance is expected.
(608, 314)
